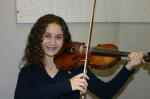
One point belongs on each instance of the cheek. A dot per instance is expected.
(42, 44)
(60, 43)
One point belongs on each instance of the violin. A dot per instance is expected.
(101, 57)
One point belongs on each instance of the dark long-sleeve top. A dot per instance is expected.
(35, 83)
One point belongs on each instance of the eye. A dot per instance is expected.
(59, 36)
(47, 35)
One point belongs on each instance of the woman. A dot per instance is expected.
(40, 78)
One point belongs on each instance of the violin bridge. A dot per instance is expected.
(81, 49)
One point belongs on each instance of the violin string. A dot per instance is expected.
(97, 50)
(112, 52)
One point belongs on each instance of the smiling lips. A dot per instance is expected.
(52, 48)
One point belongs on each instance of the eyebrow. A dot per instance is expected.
(60, 34)
(51, 33)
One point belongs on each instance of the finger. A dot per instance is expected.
(83, 90)
(135, 58)
(141, 55)
(83, 75)
(131, 58)
(83, 81)
(80, 82)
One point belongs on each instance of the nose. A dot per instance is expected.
(53, 41)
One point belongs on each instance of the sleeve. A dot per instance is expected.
(106, 90)
(24, 88)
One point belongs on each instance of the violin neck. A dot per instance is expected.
(103, 51)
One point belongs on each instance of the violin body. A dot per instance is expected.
(103, 61)
(73, 55)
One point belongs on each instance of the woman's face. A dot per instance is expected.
(52, 39)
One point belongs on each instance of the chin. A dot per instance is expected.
(51, 54)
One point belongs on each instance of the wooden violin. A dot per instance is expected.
(101, 57)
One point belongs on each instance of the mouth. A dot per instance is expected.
(52, 48)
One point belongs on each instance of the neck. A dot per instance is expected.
(50, 66)
(49, 62)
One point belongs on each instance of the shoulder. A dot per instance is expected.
(30, 69)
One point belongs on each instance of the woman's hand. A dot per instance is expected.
(79, 82)
(135, 59)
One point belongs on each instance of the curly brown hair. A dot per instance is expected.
(34, 53)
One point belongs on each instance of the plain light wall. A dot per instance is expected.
(128, 36)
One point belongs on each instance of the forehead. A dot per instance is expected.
(54, 28)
